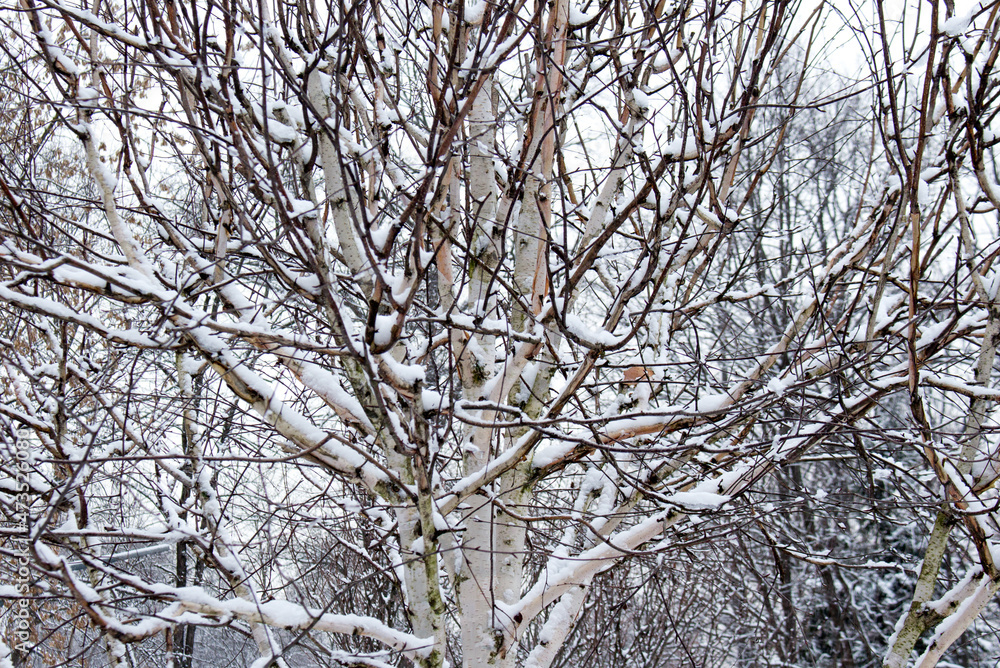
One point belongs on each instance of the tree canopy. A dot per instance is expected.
(499, 333)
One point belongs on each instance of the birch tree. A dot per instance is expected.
(430, 332)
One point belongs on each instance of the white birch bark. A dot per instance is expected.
(476, 583)
(954, 625)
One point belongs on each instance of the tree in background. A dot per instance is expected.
(498, 333)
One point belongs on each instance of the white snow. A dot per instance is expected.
(302, 208)
(474, 11)
(778, 385)
(712, 402)
(931, 333)
(281, 133)
(407, 373)
(88, 97)
(551, 453)
(641, 99)
(80, 277)
(63, 312)
(578, 17)
(958, 24)
(697, 500)
(681, 148)
(383, 329)
(592, 335)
